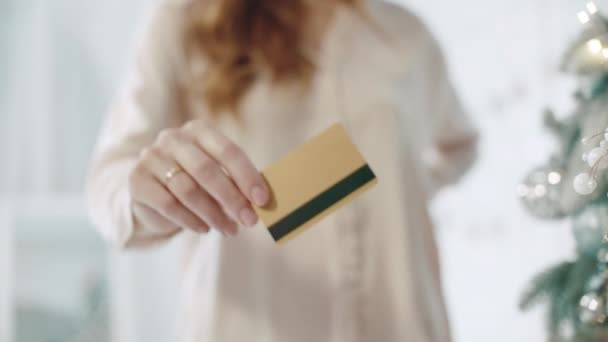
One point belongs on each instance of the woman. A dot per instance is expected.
(222, 88)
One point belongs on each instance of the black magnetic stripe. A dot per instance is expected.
(323, 201)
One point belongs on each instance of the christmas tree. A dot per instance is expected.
(573, 185)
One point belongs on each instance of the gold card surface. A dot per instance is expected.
(313, 181)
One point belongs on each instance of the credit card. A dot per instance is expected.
(312, 181)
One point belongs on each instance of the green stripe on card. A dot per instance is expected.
(322, 202)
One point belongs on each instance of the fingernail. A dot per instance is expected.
(248, 217)
(260, 197)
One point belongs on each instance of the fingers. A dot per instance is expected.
(153, 220)
(148, 191)
(214, 188)
(455, 146)
(200, 203)
(234, 160)
(207, 173)
(190, 195)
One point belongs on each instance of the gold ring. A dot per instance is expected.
(171, 173)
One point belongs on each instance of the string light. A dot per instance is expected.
(554, 178)
(585, 16)
(595, 46)
(589, 139)
(587, 182)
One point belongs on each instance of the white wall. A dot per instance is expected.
(6, 272)
(504, 56)
(66, 57)
(62, 61)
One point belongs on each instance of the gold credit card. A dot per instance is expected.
(313, 181)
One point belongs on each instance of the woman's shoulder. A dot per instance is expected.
(395, 13)
(170, 10)
(173, 4)
(161, 27)
(399, 22)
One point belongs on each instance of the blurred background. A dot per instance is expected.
(61, 62)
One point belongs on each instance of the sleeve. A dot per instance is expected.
(147, 104)
(452, 142)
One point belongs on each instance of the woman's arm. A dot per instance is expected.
(453, 138)
(153, 173)
(147, 104)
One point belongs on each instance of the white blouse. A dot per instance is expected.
(370, 271)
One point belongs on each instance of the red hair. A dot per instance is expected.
(240, 38)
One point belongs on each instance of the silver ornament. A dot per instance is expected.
(589, 227)
(584, 184)
(597, 282)
(591, 309)
(602, 255)
(595, 155)
(586, 55)
(540, 192)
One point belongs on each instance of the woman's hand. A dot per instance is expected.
(196, 178)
